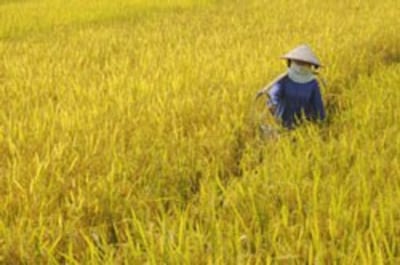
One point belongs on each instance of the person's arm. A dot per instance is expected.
(318, 105)
(275, 95)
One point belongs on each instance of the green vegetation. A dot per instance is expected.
(127, 134)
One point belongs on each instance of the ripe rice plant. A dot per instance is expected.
(128, 135)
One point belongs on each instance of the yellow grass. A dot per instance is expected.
(127, 134)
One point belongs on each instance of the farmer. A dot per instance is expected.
(295, 95)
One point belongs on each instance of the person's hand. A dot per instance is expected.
(272, 109)
(260, 93)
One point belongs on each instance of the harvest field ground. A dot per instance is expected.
(128, 133)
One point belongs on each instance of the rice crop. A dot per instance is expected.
(128, 133)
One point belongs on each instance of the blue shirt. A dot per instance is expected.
(293, 101)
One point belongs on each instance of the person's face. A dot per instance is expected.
(301, 63)
(301, 67)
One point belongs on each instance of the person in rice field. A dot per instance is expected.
(295, 95)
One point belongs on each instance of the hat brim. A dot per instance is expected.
(301, 60)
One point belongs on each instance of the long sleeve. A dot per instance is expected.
(275, 94)
(317, 104)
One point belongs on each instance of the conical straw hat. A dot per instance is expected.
(303, 53)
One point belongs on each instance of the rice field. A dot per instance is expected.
(128, 133)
